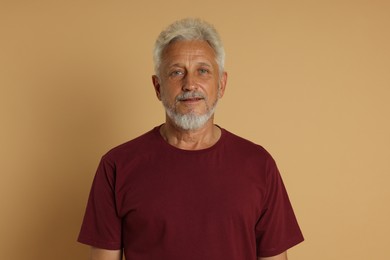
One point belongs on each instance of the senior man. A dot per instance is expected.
(189, 189)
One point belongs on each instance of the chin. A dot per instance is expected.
(189, 121)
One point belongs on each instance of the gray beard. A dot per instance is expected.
(190, 121)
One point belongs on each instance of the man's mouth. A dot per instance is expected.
(191, 99)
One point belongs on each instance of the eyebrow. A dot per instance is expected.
(198, 63)
(204, 64)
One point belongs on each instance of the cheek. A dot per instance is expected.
(216, 89)
(167, 94)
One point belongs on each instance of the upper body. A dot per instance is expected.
(189, 189)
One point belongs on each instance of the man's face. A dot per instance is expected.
(190, 83)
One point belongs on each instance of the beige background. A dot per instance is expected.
(309, 80)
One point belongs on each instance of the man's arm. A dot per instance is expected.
(282, 256)
(104, 254)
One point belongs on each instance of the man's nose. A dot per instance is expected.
(189, 82)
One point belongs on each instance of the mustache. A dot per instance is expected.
(192, 94)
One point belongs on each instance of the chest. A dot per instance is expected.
(169, 191)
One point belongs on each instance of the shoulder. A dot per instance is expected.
(137, 146)
(251, 157)
(243, 145)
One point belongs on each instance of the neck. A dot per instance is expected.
(198, 139)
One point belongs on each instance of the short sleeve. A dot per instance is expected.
(101, 226)
(277, 229)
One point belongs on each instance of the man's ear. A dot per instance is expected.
(157, 86)
(222, 84)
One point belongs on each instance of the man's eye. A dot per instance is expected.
(177, 73)
(203, 71)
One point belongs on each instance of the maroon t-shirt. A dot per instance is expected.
(155, 201)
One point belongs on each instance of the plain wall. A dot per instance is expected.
(308, 80)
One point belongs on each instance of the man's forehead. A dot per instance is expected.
(197, 50)
(185, 47)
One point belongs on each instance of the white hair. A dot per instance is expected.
(189, 29)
